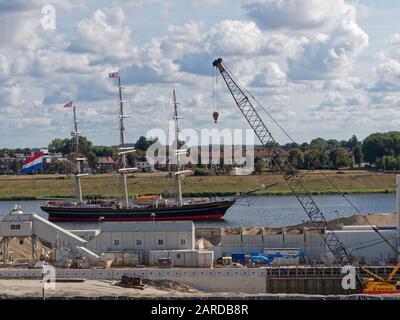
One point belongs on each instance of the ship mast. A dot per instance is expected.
(178, 166)
(122, 144)
(77, 158)
(123, 151)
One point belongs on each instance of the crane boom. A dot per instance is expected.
(293, 180)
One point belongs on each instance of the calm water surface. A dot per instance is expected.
(271, 211)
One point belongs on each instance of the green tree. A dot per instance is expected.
(60, 166)
(339, 158)
(68, 146)
(357, 154)
(104, 151)
(333, 144)
(307, 161)
(296, 158)
(15, 166)
(59, 146)
(352, 143)
(92, 160)
(131, 159)
(387, 163)
(378, 145)
(259, 165)
(318, 143)
(292, 145)
(316, 159)
(85, 146)
(143, 144)
(304, 146)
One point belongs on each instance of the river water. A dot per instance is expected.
(268, 211)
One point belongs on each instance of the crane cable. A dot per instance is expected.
(325, 176)
(213, 88)
(215, 96)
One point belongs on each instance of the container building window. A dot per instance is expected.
(15, 227)
(116, 242)
(160, 242)
(138, 242)
(183, 242)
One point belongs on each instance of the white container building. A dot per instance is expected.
(130, 236)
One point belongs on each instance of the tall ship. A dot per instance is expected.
(141, 208)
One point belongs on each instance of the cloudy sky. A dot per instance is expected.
(321, 68)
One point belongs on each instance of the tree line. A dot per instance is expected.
(67, 148)
(379, 150)
(92, 153)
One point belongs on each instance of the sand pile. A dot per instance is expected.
(252, 231)
(383, 219)
(21, 249)
(169, 285)
(212, 236)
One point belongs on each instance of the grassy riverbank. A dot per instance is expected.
(52, 186)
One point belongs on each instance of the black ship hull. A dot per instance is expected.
(204, 211)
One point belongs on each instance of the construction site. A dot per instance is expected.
(176, 257)
(336, 259)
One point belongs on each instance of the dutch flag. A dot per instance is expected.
(32, 164)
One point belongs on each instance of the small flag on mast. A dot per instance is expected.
(68, 105)
(113, 75)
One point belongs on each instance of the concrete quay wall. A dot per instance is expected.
(252, 281)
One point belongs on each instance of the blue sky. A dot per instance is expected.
(322, 68)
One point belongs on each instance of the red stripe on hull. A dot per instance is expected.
(381, 291)
(213, 216)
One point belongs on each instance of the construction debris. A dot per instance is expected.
(128, 281)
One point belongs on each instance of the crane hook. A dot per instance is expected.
(215, 116)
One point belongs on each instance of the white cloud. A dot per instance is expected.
(202, 3)
(388, 76)
(105, 34)
(394, 40)
(387, 73)
(270, 76)
(338, 112)
(333, 99)
(357, 100)
(16, 6)
(344, 84)
(275, 49)
(181, 40)
(338, 101)
(294, 14)
(331, 56)
(236, 37)
(12, 95)
(21, 30)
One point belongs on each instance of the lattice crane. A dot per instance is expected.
(293, 180)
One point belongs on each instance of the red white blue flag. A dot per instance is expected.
(68, 105)
(113, 75)
(32, 164)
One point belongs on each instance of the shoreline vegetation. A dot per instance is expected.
(41, 187)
